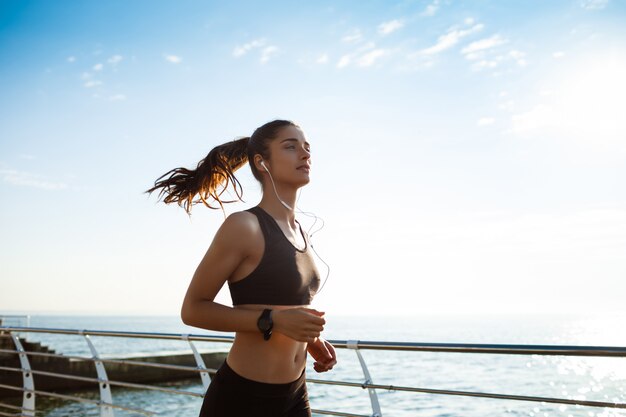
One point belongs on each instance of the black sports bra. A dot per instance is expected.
(286, 275)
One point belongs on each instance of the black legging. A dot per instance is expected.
(232, 395)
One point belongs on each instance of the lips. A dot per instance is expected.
(305, 168)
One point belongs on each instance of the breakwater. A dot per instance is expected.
(43, 361)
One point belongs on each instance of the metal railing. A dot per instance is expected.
(107, 407)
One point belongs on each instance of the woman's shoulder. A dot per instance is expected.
(240, 230)
(241, 222)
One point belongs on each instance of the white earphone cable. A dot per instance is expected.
(309, 214)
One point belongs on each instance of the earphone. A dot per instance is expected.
(309, 214)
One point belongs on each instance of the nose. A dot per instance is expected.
(306, 154)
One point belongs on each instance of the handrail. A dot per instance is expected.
(85, 400)
(506, 349)
(13, 407)
(471, 394)
(510, 349)
(120, 361)
(140, 335)
(119, 383)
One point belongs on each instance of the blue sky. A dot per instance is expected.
(468, 156)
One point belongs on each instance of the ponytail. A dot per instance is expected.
(210, 179)
(216, 171)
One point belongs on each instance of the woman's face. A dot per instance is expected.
(290, 157)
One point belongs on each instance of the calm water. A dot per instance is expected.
(600, 379)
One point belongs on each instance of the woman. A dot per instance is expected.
(264, 255)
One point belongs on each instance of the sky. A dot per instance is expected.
(468, 157)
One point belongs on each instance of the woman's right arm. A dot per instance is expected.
(227, 251)
(231, 245)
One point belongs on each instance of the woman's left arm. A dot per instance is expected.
(324, 354)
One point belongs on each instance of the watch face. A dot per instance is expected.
(264, 323)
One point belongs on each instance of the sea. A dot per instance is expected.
(585, 378)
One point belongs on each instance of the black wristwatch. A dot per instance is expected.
(265, 323)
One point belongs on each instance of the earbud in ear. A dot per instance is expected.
(263, 165)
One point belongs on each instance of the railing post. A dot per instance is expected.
(103, 380)
(376, 412)
(28, 399)
(206, 379)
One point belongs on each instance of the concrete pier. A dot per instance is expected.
(115, 372)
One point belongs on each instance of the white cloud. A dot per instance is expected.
(243, 49)
(117, 97)
(92, 83)
(115, 59)
(386, 28)
(364, 56)
(425, 58)
(344, 61)
(97, 67)
(27, 179)
(352, 37)
(486, 55)
(485, 121)
(267, 53)
(431, 9)
(484, 64)
(518, 56)
(369, 58)
(323, 59)
(593, 4)
(451, 38)
(558, 54)
(475, 49)
(71, 59)
(173, 59)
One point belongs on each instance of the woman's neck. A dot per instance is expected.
(271, 203)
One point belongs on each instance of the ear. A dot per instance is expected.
(257, 163)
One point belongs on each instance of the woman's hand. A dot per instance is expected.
(301, 324)
(323, 353)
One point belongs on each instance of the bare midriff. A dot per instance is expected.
(278, 360)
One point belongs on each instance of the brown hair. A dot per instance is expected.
(216, 171)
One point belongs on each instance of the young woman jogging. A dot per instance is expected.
(265, 257)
